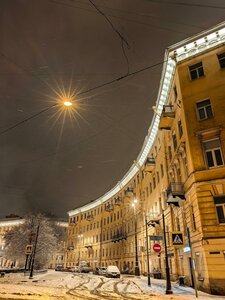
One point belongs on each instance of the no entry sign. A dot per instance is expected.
(157, 248)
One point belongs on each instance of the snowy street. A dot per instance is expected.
(61, 285)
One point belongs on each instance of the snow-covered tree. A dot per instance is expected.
(48, 240)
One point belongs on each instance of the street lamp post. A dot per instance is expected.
(168, 282)
(79, 242)
(136, 270)
(148, 266)
(34, 253)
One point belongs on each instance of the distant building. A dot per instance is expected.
(180, 171)
(7, 224)
(10, 222)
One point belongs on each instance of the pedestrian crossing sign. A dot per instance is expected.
(177, 239)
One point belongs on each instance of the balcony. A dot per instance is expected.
(167, 116)
(109, 207)
(72, 223)
(149, 164)
(129, 192)
(118, 201)
(70, 248)
(119, 237)
(175, 193)
(89, 217)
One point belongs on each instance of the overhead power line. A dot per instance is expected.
(123, 40)
(81, 93)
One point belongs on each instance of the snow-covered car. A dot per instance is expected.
(85, 269)
(76, 269)
(102, 271)
(112, 271)
(59, 268)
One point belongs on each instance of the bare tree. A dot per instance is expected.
(48, 239)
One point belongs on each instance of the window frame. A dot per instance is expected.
(219, 60)
(219, 205)
(213, 153)
(196, 69)
(197, 110)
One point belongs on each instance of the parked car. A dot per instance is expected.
(76, 269)
(99, 271)
(102, 271)
(85, 269)
(96, 271)
(59, 268)
(112, 271)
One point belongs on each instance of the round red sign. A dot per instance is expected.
(157, 248)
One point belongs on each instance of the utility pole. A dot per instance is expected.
(192, 267)
(148, 266)
(168, 282)
(34, 252)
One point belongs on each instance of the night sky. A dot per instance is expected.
(50, 45)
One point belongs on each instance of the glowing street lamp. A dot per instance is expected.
(67, 103)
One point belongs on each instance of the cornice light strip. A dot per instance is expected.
(10, 223)
(189, 48)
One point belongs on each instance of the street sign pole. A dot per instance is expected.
(34, 252)
(168, 282)
(192, 267)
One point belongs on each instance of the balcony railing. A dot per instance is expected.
(109, 207)
(175, 193)
(149, 164)
(72, 223)
(70, 248)
(89, 217)
(119, 237)
(167, 116)
(118, 201)
(129, 192)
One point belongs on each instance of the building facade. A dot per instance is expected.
(179, 174)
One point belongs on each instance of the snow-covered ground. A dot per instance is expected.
(65, 286)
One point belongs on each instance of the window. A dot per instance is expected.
(196, 71)
(213, 153)
(174, 137)
(192, 217)
(162, 170)
(221, 58)
(157, 177)
(154, 182)
(180, 128)
(175, 92)
(204, 109)
(170, 152)
(220, 208)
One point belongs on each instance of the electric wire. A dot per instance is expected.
(123, 40)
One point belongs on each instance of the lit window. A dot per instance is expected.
(196, 71)
(213, 153)
(221, 58)
(220, 208)
(204, 109)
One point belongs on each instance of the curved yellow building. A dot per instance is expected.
(179, 172)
